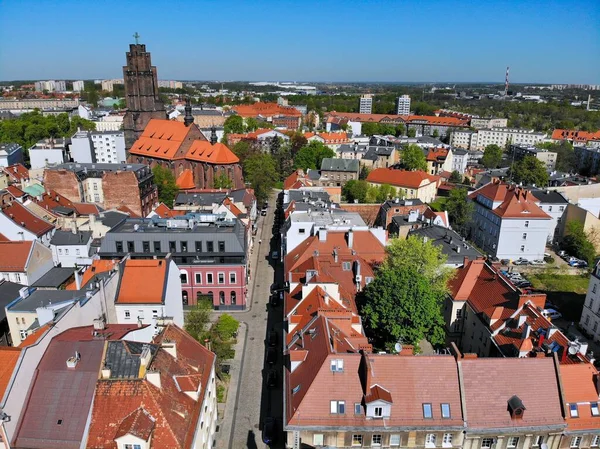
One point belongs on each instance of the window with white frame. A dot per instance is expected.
(445, 411)
(357, 408)
(337, 365)
(575, 442)
(524, 236)
(221, 278)
(317, 439)
(378, 411)
(127, 315)
(155, 314)
(522, 248)
(23, 334)
(357, 440)
(594, 409)
(486, 443)
(538, 440)
(198, 278)
(337, 407)
(395, 439)
(427, 412)
(140, 314)
(430, 440)
(209, 278)
(346, 266)
(447, 440)
(574, 411)
(512, 442)
(595, 441)
(232, 277)
(376, 440)
(132, 446)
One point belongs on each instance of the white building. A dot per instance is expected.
(78, 86)
(555, 205)
(590, 316)
(365, 104)
(98, 146)
(478, 140)
(60, 86)
(507, 223)
(403, 105)
(460, 159)
(48, 152)
(71, 248)
(109, 123)
(480, 122)
(84, 112)
(10, 154)
(148, 290)
(19, 223)
(24, 262)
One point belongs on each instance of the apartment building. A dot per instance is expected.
(414, 184)
(337, 172)
(210, 251)
(403, 105)
(489, 122)
(365, 104)
(507, 222)
(548, 158)
(42, 104)
(588, 158)
(590, 316)
(439, 160)
(478, 140)
(24, 262)
(78, 86)
(93, 146)
(555, 205)
(10, 154)
(48, 152)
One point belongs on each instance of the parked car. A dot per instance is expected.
(538, 262)
(578, 263)
(272, 338)
(552, 314)
(275, 255)
(274, 301)
(521, 261)
(271, 356)
(272, 378)
(274, 287)
(263, 212)
(269, 432)
(550, 305)
(562, 253)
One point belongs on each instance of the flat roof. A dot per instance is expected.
(56, 277)
(41, 298)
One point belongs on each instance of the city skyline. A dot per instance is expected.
(312, 42)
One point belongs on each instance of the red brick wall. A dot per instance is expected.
(63, 182)
(121, 188)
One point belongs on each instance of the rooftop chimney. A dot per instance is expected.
(350, 238)
(170, 347)
(73, 361)
(335, 255)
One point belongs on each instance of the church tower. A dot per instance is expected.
(141, 92)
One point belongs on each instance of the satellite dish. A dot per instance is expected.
(398, 347)
(573, 349)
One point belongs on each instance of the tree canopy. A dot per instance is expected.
(529, 171)
(166, 184)
(234, 124)
(311, 155)
(359, 191)
(222, 181)
(460, 209)
(566, 160)
(413, 158)
(455, 177)
(261, 172)
(578, 243)
(404, 302)
(492, 156)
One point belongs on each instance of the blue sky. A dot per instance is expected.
(548, 41)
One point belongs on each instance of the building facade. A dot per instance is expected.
(365, 104)
(413, 184)
(10, 154)
(478, 140)
(590, 316)
(102, 147)
(403, 105)
(548, 158)
(48, 152)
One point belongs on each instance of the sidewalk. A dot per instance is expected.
(223, 436)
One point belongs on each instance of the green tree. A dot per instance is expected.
(234, 124)
(226, 326)
(166, 184)
(197, 319)
(578, 243)
(413, 158)
(436, 133)
(311, 155)
(364, 172)
(251, 124)
(355, 191)
(529, 171)
(400, 129)
(404, 301)
(566, 160)
(455, 177)
(297, 141)
(261, 172)
(369, 129)
(492, 156)
(222, 181)
(283, 160)
(411, 132)
(243, 149)
(460, 209)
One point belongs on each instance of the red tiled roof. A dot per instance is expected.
(436, 154)
(296, 180)
(34, 336)
(580, 386)
(265, 110)
(490, 382)
(138, 423)
(204, 151)
(232, 207)
(98, 266)
(516, 201)
(401, 178)
(163, 211)
(161, 139)
(8, 360)
(123, 208)
(377, 393)
(15, 191)
(17, 172)
(51, 199)
(185, 180)
(329, 137)
(574, 135)
(86, 209)
(143, 281)
(22, 217)
(15, 255)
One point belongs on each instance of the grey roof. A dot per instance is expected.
(549, 196)
(346, 148)
(307, 195)
(374, 152)
(63, 210)
(112, 218)
(338, 164)
(200, 199)
(9, 148)
(459, 151)
(428, 139)
(123, 358)
(329, 217)
(54, 278)
(9, 291)
(389, 204)
(69, 238)
(96, 170)
(41, 298)
(315, 175)
(451, 243)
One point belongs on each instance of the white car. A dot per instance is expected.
(552, 314)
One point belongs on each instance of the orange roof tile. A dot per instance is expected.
(574, 135)
(14, 255)
(401, 178)
(86, 208)
(8, 360)
(34, 336)
(143, 281)
(138, 423)
(123, 208)
(436, 154)
(17, 172)
(15, 191)
(204, 151)
(98, 266)
(516, 202)
(185, 180)
(163, 211)
(161, 139)
(265, 110)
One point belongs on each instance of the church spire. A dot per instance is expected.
(213, 135)
(189, 118)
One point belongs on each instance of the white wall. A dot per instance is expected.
(173, 303)
(81, 148)
(590, 316)
(71, 255)
(556, 212)
(203, 437)
(511, 239)
(40, 158)
(12, 231)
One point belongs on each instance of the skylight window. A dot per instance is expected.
(427, 411)
(594, 408)
(296, 389)
(574, 411)
(445, 410)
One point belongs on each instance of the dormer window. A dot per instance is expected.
(516, 407)
(337, 366)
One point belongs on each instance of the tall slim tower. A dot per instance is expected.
(141, 93)
(506, 82)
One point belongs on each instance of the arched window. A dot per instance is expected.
(184, 297)
(221, 297)
(199, 296)
(233, 298)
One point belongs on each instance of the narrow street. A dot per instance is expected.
(253, 400)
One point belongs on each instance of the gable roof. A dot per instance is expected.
(16, 172)
(338, 164)
(266, 110)
(163, 211)
(138, 423)
(143, 281)
(185, 180)
(401, 178)
(25, 219)
(14, 256)
(575, 135)
(581, 386)
(516, 202)
(204, 151)
(161, 139)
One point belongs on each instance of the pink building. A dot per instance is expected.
(226, 284)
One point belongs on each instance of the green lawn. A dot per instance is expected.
(439, 205)
(566, 291)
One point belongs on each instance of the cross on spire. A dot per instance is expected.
(136, 37)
